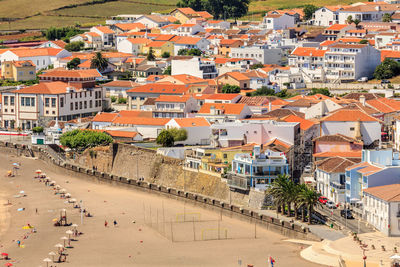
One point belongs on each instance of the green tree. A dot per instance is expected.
(230, 89)
(99, 62)
(220, 9)
(182, 52)
(349, 19)
(363, 41)
(387, 69)
(74, 46)
(356, 22)
(165, 139)
(309, 10)
(74, 63)
(257, 66)
(309, 198)
(37, 129)
(64, 33)
(278, 191)
(263, 91)
(386, 17)
(150, 55)
(79, 140)
(113, 98)
(165, 54)
(178, 134)
(194, 52)
(322, 91)
(122, 100)
(167, 70)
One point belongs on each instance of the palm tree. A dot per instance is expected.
(99, 62)
(309, 198)
(278, 191)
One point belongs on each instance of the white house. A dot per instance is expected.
(214, 112)
(171, 106)
(326, 16)
(353, 123)
(132, 45)
(152, 21)
(330, 175)
(262, 53)
(41, 57)
(278, 21)
(217, 24)
(27, 107)
(191, 42)
(194, 66)
(198, 130)
(106, 34)
(147, 127)
(381, 208)
(366, 13)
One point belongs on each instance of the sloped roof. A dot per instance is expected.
(163, 88)
(173, 98)
(280, 112)
(91, 73)
(337, 138)
(388, 193)
(36, 52)
(192, 122)
(336, 164)
(51, 88)
(121, 83)
(304, 124)
(385, 105)
(349, 115)
(232, 109)
(105, 117)
(129, 120)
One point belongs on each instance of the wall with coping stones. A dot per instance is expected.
(291, 230)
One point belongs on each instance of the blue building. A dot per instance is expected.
(257, 170)
(377, 168)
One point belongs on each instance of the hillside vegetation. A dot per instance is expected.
(21, 14)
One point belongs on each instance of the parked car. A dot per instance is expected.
(363, 79)
(385, 81)
(322, 200)
(330, 204)
(346, 214)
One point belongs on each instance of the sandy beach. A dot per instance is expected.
(132, 242)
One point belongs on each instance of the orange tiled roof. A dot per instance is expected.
(173, 98)
(389, 54)
(51, 88)
(337, 27)
(304, 124)
(140, 121)
(308, 52)
(237, 76)
(343, 154)
(92, 73)
(229, 41)
(105, 29)
(36, 52)
(129, 26)
(105, 117)
(157, 88)
(156, 44)
(349, 115)
(188, 40)
(121, 83)
(123, 134)
(21, 63)
(192, 122)
(188, 79)
(385, 105)
(232, 109)
(388, 193)
(186, 10)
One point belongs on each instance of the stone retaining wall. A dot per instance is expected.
(291, 230)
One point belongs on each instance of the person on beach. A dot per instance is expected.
(19, 243)
(105, 223)
(115, 223)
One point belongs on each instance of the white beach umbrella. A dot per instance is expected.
(63, 190)
(52, 254)
(72, 200)
(69, 232)
(47, 260)
(74, 225)
(59, 246)
(57, 186)
(38, 171)
(395, 257)
(64, 238)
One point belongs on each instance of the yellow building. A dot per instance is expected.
(159, 48)
(186, 13)
(23, 70)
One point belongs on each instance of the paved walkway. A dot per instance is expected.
(320, 230)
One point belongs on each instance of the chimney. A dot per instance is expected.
(362, 100)
(357, 130)
(212, 110)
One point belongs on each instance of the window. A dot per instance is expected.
(85, 104)
(351, 128)
(71, 107)
(53, 112)
(22, 101)
(53, 102)
(62, 102)
(76, 105)
(47, 112)
(90, 104)
(5, 101)
(47, 102)
(142, 98)
(32, 101)
(133, 97)
(80, 105)
(12, 98)
(31, 72)
(225, 156)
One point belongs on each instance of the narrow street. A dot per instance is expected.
(353, 225)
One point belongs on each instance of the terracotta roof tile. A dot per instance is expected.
(92, 73)
(163, 88)
(304, 124)
(229, 109)
(349, 115)
(173, 98)
(127, 120)
(388, 193)
(192, 122)
(51, 88)
(105, 117)
(336, 164)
